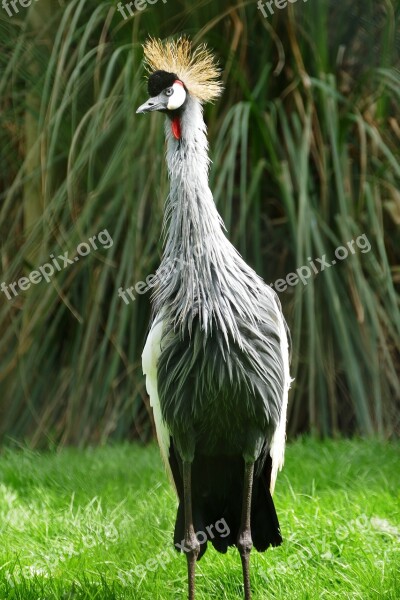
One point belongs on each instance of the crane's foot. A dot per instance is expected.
(192, 550)
(245, 545)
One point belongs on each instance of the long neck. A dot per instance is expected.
(191, 217)
(201, 274)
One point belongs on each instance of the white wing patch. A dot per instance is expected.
(277, 451)
(150, 356)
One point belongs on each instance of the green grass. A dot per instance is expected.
(306, 157)
(76, 524)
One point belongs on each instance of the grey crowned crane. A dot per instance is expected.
(216, 358)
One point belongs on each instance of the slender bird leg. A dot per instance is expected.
(244, 541)
(192, 546)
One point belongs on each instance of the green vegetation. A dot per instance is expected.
(76, 525)
(305, 144)
(306, 157)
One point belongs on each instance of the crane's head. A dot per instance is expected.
(177, 72)
(167, 93)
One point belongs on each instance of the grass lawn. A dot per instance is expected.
(79, 525)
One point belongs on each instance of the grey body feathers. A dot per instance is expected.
(222, 370)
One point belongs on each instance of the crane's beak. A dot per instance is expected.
(156, 103)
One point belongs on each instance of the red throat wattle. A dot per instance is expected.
(176, 128)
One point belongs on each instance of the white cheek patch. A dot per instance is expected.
(177, 98)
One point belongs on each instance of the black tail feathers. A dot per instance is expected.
(217, 519)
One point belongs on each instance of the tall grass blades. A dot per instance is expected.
(305, 148)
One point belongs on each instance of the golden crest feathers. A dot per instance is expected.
(196, 68)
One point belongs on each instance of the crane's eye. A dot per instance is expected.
(177, 96)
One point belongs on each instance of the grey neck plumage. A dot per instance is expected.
(201, 274)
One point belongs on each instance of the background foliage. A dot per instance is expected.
(305, 144)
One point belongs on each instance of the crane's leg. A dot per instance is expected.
(192, 546)
(244, 541)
